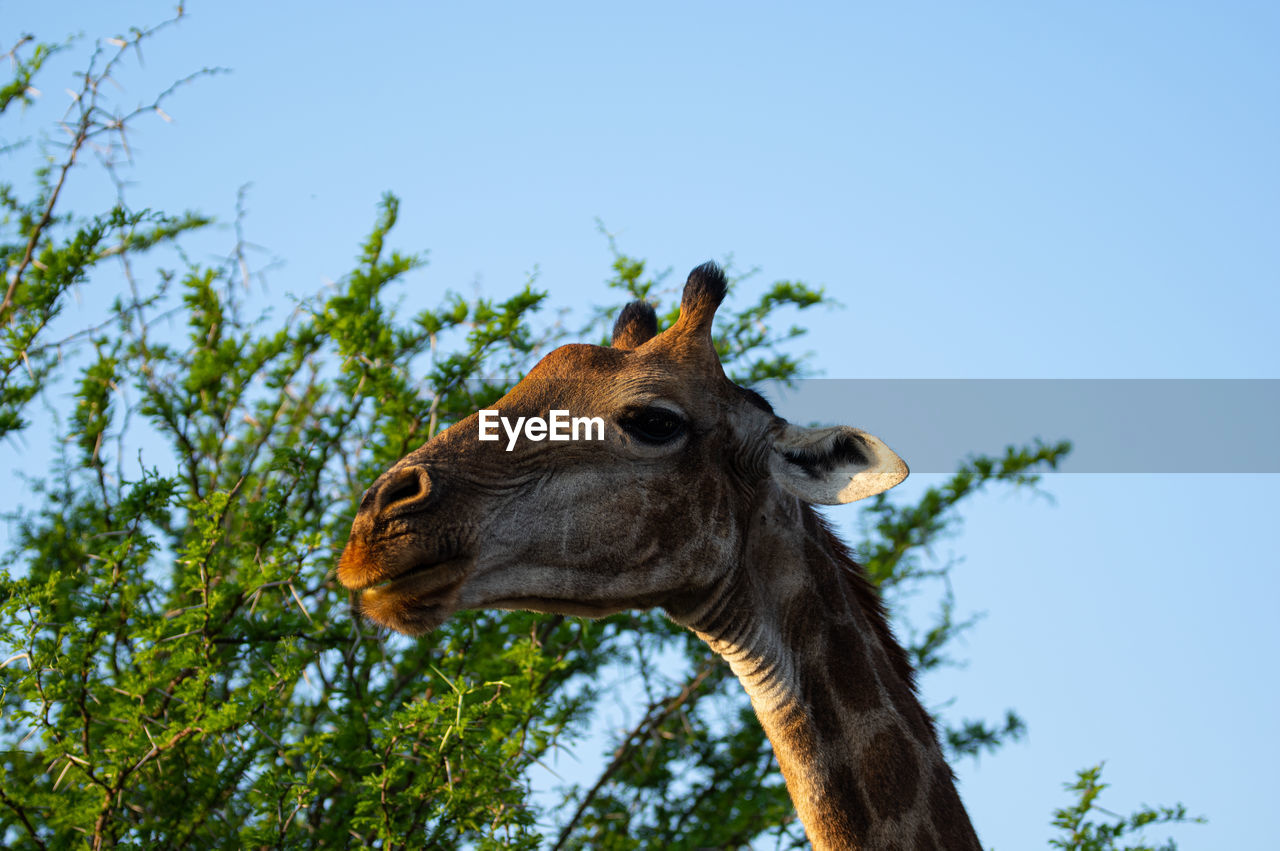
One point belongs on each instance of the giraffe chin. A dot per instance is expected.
(418, 600)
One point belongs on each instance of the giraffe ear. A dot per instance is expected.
(831, 466)
(636, 325)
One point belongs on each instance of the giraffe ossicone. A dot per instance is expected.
(698, 500)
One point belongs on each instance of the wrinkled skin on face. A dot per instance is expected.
(654, 514)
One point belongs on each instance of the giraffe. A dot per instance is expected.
(698, 500)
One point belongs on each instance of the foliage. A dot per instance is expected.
(180, 666)
(1080, 834)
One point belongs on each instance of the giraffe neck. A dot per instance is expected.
(805, 634)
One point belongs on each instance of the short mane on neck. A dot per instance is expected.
(806, 634)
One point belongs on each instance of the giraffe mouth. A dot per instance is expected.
(559, 606)
(421, 580)
(390, 563)
(417, 600)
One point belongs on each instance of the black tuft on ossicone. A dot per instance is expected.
(706, 284)
(703, 293)
(636, 325)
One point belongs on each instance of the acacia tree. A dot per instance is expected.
(179, 666)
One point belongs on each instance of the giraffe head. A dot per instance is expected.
(654, 513)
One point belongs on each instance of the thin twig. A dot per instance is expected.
(663, 709)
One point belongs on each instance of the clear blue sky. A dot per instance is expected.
(994, 190)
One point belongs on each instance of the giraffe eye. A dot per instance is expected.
(653, 424)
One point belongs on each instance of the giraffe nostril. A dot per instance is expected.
(403, 488)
